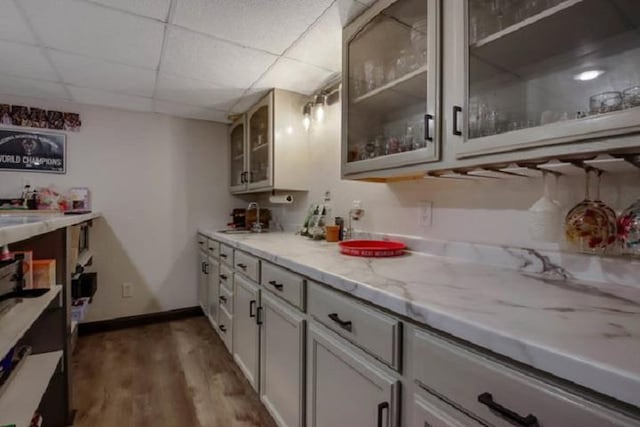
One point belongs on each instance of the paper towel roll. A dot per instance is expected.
(283, 199)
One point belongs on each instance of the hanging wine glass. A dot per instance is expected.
(587, 227)
(629, 229)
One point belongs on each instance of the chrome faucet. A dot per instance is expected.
(256, 227)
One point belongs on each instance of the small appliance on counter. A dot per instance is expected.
(239, 219)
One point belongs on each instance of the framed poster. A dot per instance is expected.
(32, 151)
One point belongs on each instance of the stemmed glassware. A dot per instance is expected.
(588, 225)
(629, 229)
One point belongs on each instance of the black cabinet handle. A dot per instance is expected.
(427, 120)
(276, 285)
(344, 324)
(508, 414)
(456, 111)
(223, 328)
(259, 316)
(381, 407)
(223, 255)
(223, 299)
(202, 267)
(210, 248)
(223, 276)
(243, 178)
(206, 268)
(242, 266)
(252, 308)
(200, 242)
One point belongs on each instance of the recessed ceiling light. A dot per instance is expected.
(588, 75)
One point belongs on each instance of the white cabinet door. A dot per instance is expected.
(260, 144)
(214, 291)
(282, 361)
(430, 411)
(246, 336)
(344, 388)
(203, 279)
(238, 152)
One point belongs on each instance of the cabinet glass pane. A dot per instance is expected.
(536, 62)
(237, 155)
(259, 145)
(387, 66)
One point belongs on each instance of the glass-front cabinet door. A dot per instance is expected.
(391, 86)
(237, 138)
(543, 72)
(260, 143)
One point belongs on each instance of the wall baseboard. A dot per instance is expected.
(139, 320)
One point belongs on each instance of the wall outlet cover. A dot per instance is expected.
(127, 290)
(426, 214)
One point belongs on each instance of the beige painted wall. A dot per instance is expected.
(156, 179)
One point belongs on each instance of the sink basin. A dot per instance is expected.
(234, 231)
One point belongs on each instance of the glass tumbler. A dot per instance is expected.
(631, 97)
(605, 102)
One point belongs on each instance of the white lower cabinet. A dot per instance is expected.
(246, 330)
(282, 361)
(345, 389)
(203, 282)
(430, 411)
(213, 293)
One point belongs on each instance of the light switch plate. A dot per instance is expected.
(127, 290)
(426, 214)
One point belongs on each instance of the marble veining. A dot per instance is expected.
(22, 227)
(584, 332)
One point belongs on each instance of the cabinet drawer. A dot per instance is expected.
(429, 410)
(374, 331)
(247, 265)
(493, 392)
(213, 248)
(202, 242)
(226, 254)
(225, 328)
(226, 299)
(226, 277)
(287, 285)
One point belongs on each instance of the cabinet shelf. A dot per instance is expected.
(259, 147)
(403, 85)
(22, 398)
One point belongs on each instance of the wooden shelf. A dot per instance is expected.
(398, 85)
(238, 157)
(17, 321)
(22, 398)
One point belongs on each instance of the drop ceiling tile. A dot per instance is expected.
(85, 28)
(83, 71)
(295, 76)
(157, 9)
(25, 61)
(189, 111)
(193, 55)
(271, 25)
(110, 99)
(248, 100)
(196, 92)
(322, 45)
(32, 88)
(12, 25)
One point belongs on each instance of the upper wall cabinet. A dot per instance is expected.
(391, 88)
(269, 146)
(543, 72)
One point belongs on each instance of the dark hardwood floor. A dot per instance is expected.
(168, 374)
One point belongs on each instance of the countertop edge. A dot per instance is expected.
(16, 233)
(607, 380)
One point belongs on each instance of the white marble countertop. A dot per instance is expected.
(15, 227)
(584, 334)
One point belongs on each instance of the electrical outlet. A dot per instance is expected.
(127, 290)
(426, 214)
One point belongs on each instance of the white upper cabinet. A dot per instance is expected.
(270, 134)
(545, 72)
(391, 91)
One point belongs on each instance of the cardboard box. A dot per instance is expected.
(44, 273)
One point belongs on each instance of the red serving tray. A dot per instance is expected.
(372, 248)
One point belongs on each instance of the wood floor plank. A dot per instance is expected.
(169, 374)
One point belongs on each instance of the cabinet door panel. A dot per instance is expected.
(345, 389)
(238, 156)
(213, 284)
(246, 337)
(282, 361)
(260, 143)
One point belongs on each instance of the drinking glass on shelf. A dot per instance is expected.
(605, 102)
(631, 97)
(369, 82)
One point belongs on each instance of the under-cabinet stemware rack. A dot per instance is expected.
(620, 162)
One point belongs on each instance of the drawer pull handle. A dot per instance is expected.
(252, 308)
(276, 285)
(259, 316)
(223, 299)
(210, 248)
(242, 266)
(381, 407)
(223, 328)
(344, 324)
(200, 242)
(202, 266)
(509, 415)
(223, 276)
(206, 268)
(223, 255)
